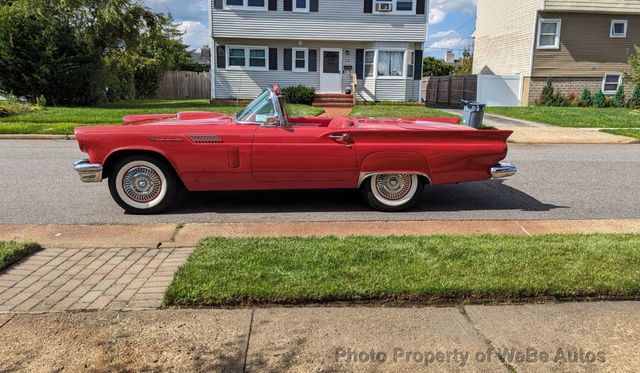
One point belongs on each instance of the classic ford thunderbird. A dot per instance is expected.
(151, 157)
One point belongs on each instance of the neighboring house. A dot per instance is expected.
(319, 43)
(201, 56)
(575, 43)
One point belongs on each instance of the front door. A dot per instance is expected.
(331, 71)
(303, 154)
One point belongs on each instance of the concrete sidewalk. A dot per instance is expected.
(528, 132)
(188, 235)
(530, 338)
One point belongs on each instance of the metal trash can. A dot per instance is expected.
(473, 113)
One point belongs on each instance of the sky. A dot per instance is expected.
(451, 23)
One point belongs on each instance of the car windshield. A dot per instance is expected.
(259, 110)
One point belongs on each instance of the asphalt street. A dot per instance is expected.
(39, 186)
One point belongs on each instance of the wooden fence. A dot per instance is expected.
(449, 90)
(179, 85)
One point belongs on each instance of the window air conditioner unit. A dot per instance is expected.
(383, 7)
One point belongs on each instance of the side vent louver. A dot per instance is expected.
(205, 139)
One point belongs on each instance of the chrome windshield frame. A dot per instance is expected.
(275, 102)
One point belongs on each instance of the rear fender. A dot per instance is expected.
(394, 162)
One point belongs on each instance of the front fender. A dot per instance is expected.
(394, 162)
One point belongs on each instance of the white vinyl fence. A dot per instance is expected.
(500, 90)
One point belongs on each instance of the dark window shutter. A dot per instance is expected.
(368, 6)
(417, 65)
(217, 4)
(273, 58)
(221, 57)
(288, 5)
(420, 7)
(360, 63)
(273, 5)
(314, 6)
(313, 60)
(288, 55)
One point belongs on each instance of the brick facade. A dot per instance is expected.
(569, 85)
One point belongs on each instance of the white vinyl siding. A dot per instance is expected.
(337, 20)
(600, 6)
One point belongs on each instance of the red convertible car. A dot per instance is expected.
(150, 157)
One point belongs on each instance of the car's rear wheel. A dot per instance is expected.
(393, 192)
(143, 184)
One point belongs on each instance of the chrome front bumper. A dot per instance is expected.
(503, 170)
(89, 172)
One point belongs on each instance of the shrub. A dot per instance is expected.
(599, 100)
(619, 100)
(547, 97)
(585, 99)
(635, 98)
(559, 100)
(13, 106)
(299, 94)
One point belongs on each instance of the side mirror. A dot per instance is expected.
(272, 122)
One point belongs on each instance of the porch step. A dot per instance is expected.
(333, 100)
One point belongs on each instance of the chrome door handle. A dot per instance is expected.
(342, 137)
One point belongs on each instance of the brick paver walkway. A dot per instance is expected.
(85, 279)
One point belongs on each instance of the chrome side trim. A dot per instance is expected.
(503, 170)
(89, 172)
(365, 175)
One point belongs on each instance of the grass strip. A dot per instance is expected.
(624, 132)
(573, 116)
(398, 111)
(11, 252)
(249, 271)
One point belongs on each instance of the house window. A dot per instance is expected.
(549, 33)
(301, 6)
(300, 60)
(611, 82)
(391, 64)
(410, 63)
(618, 28)
(246, 4)
(395, 6)
(249, 58)
(369, 60)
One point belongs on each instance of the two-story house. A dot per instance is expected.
(575, 43)
(318, 43)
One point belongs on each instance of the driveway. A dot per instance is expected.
(555, 182)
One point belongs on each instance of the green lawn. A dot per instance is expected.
(398, 111)
(625, 132)
(11, 252)
(243, 271)
(62, 120)
(573, 117)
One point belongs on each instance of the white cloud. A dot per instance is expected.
(443, 34)
(450, 43)
(439, 9)
(196, 34)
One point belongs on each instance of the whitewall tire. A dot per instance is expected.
(143, 184)
(393, 192)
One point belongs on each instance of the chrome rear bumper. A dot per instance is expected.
(503, 170)
(89, 172)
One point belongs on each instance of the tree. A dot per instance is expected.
(634, 60)
(547, 97)
(599, 100)
(436, 67)
(466, 66)
(635, 98)
(85, 51)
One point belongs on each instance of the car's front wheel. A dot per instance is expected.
(143, 184)
(393, 192)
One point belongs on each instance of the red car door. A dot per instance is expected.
(303, 153)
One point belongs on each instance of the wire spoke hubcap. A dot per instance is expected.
(394, 187)
(142, 184)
